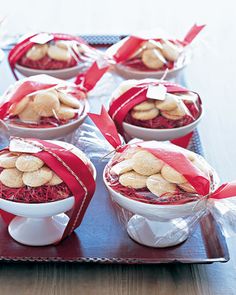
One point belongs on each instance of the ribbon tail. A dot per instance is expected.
(192, 33)
(106, 126)
(7, 217)
(89, 79)
(183, 141)
(226, 190)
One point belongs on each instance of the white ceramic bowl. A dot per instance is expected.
(130, 73)
(38, 224)
(157, 225)
(63, 74)
(49, 133)
(160, 134)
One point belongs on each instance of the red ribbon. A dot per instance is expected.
(27, 87)
(175, 159)
(181, 164)
(20, 92)
(62, 162)
(120, 107)
(22, 47)
(127, 49)
(107, 127)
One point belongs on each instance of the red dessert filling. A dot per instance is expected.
(161, 122)
(136, 63)
(40, 194)
(45, 122)
(145, 196)
(46, 63)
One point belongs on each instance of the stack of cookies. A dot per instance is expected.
(52, 55)
(19, 170)
(155, 55)
(143, 170)
(53, 103)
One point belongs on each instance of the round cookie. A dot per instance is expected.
(146, 163)
(170, 51)
(144, 106)
(65, 112)
(171, 175)
(28, 115)
(55, 180)
(37, 52)
(28, 163)
(58, 53)
(122, 167)
(159, 186)
(145, 115)
(20, 106)
(153, 59)
(133, 180)
(46, 103)
(38, 177)
(8, 160)
(11, 178)
(69, 100)
(177, 114)
(169, 104)
(187, 187)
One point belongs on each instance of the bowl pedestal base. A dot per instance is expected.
(38, 231)
(158, 234)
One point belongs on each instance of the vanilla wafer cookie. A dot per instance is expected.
(46, 103)
(8, 160)
(133, 180)
(159, 186)
(145, 115)
(11, 178)
(65, 112)
(171, 175)
(58, 53)
(146, 163)
(69, 100)
(55, 180)
(145, 105)
(28, 115)
(17, 108)
(28, 163)
(38, 177)
(37, 52)
(122, 167)
(153, 59)
(169, 104)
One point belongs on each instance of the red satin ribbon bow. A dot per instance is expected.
(76, 175)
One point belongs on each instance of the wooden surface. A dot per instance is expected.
(213, 75)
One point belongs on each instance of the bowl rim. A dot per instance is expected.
(83, 116)
(151, 206)
(155, 130)
(40, 71)
(45, 204)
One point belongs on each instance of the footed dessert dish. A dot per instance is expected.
(161, 190)
(44, 107)
(142, 57)
(59, 55)
(38, 181)
(152, 109)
